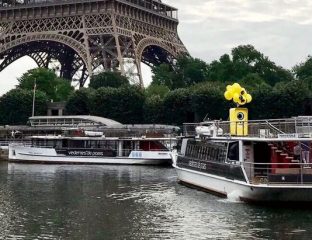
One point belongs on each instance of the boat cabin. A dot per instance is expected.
(100, 146)
(269, 152)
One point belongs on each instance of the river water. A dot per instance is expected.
(129, 202)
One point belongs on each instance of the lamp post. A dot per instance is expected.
(34, 97)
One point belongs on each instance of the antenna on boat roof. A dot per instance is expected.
(34, 97)
(206, 118)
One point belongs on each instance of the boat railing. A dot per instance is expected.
(278, 173)
(271, 128)
(4, 143)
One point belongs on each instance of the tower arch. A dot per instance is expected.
(99, 34)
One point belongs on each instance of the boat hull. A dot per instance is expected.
(45, 155)
(237, 190)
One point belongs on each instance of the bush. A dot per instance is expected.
(16, 106)
(80, 102)
(124, 104)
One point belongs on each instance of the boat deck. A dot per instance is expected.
(290, 128)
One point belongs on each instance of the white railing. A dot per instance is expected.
(272, 128)
(278, 173)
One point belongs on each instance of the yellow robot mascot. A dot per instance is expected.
(238, 115)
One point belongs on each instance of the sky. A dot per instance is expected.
(280, 29)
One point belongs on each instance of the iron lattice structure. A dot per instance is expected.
(86, 36)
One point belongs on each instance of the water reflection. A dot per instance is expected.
(129, 202)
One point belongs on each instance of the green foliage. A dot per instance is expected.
(261, 106)
(186, 92)
(222, 70)
(163, 74)
(153, 109)
(303, 70)
(289, 99)
(123, 104)
(192, 70)
(246, 60)
(178, 107)
(80, 102)
(208, 101)
(63, 90)
(56, 89)
(16, 106)
(252, 80)
(108, 79)
(186, 72)
(157, 90)
(286, 99)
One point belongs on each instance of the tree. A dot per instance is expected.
(186, 71)
(56, 89)
(123, 104)
(157, 90)
(286, 99)
(178, 108)
(247, 60)
(252, 80)
(289, 98)
(164, 75)
(208, 101)
(80, 102)
(303, 70)
(192, 70)
(154, 110)
(16, 106)
(222, 70)
(108, 79)
(261, 106)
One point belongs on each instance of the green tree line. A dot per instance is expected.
(188, 91)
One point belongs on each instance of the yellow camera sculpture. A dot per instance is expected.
(238, 116)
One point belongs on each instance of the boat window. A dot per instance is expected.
(233, 152)
(192, 151)
(65, 143)
(91, 144)
(213, 153)
(110, 145)
(50, 143)
(39, 142)
(206, 153)
(76, 143)
(128, 145)
(197, 151)
(187, 152)
(58, 144)
(202, 150)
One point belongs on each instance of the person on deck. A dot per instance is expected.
(305, 153)
(297, 151)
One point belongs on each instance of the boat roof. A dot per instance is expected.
(72, 120)
(92, 121)
(102, 138)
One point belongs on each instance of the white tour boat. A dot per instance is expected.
(269, 162)
(86, 147)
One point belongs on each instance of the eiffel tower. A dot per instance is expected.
(89, 36)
